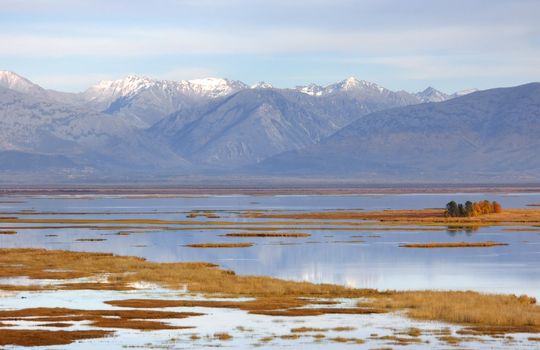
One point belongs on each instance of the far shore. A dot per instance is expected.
(200, 188)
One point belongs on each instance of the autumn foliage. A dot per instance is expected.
(469, 209)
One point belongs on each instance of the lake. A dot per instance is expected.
(363, 258)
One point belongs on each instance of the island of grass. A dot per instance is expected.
(268, 234)
(485, 244)
(219, 245)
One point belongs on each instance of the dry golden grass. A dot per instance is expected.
(56, 324)
(422, 217)
(465, 308)
(209, 214)
(290, 336)
(454, 245)
(347, 340)
(313, 330)
(132, 319)
(308, 330)
(273, 297)
(219, 245)
(223, 336)
(7, 232)
(498, 330)
(268, 234)
(413, 332)
(285, 306)
(294, 312)
(450, 339)
(396, 340)
(412, 217)
(198, 277)
(33, 337)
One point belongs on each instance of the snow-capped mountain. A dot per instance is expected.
(109, 90)
(311, 89)
(13, 81)
(432, 95)
(262, 85)
(147, 100)
(350, 84)
(368, 93)
(207, 125)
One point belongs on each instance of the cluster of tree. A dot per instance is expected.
(454, 209)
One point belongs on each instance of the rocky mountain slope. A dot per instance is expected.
(491, 133)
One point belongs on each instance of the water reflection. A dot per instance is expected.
(378, 262)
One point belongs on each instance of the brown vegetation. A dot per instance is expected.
(454, 245)
(132, 319)
(268, 234)
(272, 296)
(396, 340)
(219, 245)
(465, 308)
(223, 336)
(7, 232)
(312, 330)
(198, 277)
(412, 217)
(318, 311)
(32, 337)
(271, 306)
(347, 340)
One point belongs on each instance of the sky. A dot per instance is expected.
(403, 45)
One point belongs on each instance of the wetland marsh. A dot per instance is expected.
(214, 258)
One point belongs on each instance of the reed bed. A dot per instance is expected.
(429, 245)
(268, 234)
(219, 245)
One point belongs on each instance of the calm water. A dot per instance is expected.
(327, 256)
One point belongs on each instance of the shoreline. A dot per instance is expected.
(266, 190)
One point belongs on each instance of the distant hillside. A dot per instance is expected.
(141, 128)
(488, 134)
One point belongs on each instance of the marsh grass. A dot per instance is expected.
(8, 232)
(411, 217)
(37, 337)
(268, 234)
(481, 313)
(485, 244)
(495, 313)
(130, 319)
(219, 245)
(347, 340)
(198, 277)
(223, 336)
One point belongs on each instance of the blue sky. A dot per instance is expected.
(451, 45)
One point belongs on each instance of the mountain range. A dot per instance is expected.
(137, 127)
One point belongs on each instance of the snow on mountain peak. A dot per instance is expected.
(15, 82)
(262, 85)
(311, 89)
(215, 87)
(431, 94)
(108, 90)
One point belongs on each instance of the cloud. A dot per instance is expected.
(154, 42)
